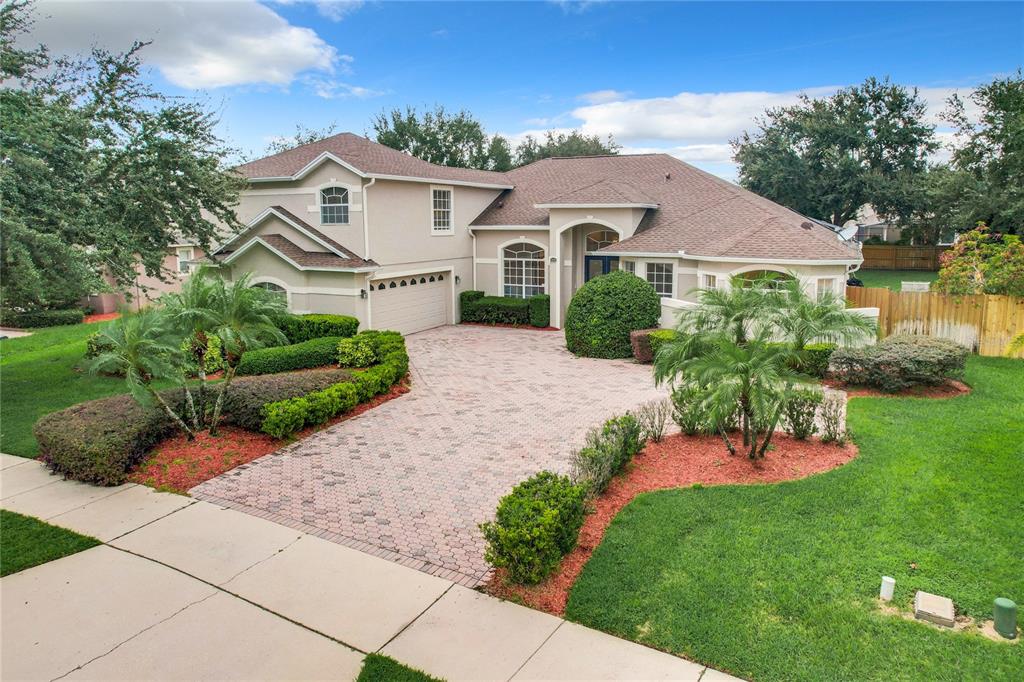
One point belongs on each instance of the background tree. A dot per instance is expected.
(825, 158)
(100, 173)
(983, 262)
(437, 136)
(573, 143)
(303, 135)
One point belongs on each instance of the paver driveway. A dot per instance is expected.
(411, 479)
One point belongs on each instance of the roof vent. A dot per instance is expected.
(668, 176)
(501, 204)
(806, 225)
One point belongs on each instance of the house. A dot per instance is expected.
(179, 260)
(872, 226)
(346, 225)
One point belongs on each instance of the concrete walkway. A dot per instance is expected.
(185, 589)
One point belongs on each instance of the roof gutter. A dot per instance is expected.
(732, 259)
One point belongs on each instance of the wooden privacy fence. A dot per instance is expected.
(892, 257)
(984, 323)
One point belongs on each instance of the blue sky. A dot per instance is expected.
(680, 77)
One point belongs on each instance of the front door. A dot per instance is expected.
(599, 265)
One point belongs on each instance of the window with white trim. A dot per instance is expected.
(522, 270)
(826, 285)
(660, 277)
(709, 282)
(441, 205)
(275, 290)
(334, 206)
(600, 239)
(185, 255)
(629, 266)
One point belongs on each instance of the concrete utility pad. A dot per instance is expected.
(470, 636)
(346, 594)
(63, 614)
(578, 653)
(934, 609)
(209, 542)
(224, 638)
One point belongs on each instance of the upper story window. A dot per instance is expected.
(441, 205)
(600, 239)
(185, 256)
(334, 206)
(660, 277)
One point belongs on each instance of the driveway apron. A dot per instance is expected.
(411, 479)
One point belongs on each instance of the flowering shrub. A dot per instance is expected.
(983, 262)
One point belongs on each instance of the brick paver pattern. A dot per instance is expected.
(411, 479)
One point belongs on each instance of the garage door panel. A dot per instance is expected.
(413, 307)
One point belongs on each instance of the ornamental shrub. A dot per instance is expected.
(815, 359)
(799, 409)
(534, 526)
(357, 351)
(900, 362)
(659, 338)
(833, 422)
(30, 319)
(689, 410)
(540, 310)
(497, 310)
(213, 361)
(605, 310)
(299, 328)
(244, 404)
(653, 416)
(640, 342)
(608, 449)
(312, 353)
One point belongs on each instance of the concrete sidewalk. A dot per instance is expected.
(184, 589)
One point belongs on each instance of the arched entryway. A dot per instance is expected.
(594, 263)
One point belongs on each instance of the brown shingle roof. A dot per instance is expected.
(312, 259)
(604, 191)
(309, 228)
(368, 157)
(697, 212)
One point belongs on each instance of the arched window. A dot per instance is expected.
(523, 270)
(274, 289)
(600, 239)
(334, 206)
(765, 279)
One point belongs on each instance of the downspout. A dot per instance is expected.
(473, 235)
(366, 248)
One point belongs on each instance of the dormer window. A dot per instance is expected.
(334, 206)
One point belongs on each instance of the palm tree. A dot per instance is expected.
(741, 310)
(801, 319)
(752, 378)
(244, 318)
(192, 309)
(144, 348)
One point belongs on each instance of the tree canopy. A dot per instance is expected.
(100, 173)
(825, 158)
(459, 140)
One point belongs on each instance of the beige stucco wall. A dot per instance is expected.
(147, 289)
(489, 244)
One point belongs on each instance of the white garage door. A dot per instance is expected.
(412, 303)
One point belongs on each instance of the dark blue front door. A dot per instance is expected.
(599, 265)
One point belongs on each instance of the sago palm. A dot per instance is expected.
(143, 347)
(244, 317)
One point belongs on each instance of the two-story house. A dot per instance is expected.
(346, 225)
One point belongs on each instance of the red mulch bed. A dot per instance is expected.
(176, 465)
(100, 317)
(512, 326)
(677, 461)
(950, 389)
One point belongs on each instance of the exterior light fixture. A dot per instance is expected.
(362, 293)
(554, 260)
(888, 587)
(458, 280)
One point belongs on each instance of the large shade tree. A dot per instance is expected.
(828, 157)
(100, 173)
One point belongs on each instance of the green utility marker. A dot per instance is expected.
(1005, 612)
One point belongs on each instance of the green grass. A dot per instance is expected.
(26, 542)
(43, 373)
(891, 279)
(779, 582)
(377, 668)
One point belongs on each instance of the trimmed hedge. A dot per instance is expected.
(31, 319)
(285, 417)
(535, 525)
(312, 353)
(357, 351)
(540, 310)
(640, 342)
(900, 362)
(299, 328)
(535, 310)
(99, 441)
(816, 357)
(605, 310)
(607, 451)
(660, 337)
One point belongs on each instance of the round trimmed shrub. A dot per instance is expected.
(605, 310)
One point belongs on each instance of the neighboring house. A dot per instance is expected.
(179, 261)
(346, 225)
(871, 225)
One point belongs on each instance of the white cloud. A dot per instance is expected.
(329, 88)
(336, 10)
(603, 96)
(194, 44)
(576, 6)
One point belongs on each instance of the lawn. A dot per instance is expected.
(891, 279)
(43, 373)
(26, 542)
(378, 668)
(779, 582)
